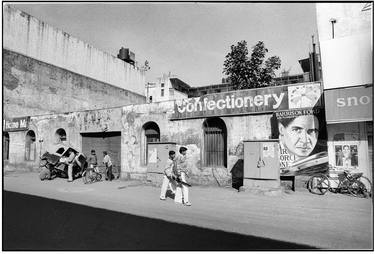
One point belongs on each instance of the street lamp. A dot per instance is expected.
(333, 21)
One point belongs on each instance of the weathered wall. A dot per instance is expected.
(29, 36)
(188, 133)
(74, 124)
(31, 87)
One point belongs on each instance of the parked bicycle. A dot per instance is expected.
(354, 184)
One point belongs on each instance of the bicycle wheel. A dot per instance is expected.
(88, 177)
(357, 189)
(368, 186)
(318, 184)
(98, 177)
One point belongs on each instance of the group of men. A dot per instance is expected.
(175, 175)
(92, 161)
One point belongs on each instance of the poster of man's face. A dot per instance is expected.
(301, 134)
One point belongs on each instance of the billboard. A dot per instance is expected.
(303, 138)
(349, 104)
(251, 101)
(16, 124)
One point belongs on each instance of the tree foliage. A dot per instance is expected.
(251, 72)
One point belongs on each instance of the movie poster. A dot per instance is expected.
(302, 136)
(346, 156)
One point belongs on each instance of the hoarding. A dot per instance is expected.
(251, 101)
(349, 104)
(16, 124)
(302, 136)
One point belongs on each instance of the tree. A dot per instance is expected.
(251, 72)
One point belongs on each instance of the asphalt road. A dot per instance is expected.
(36, 223)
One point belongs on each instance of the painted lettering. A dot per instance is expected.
(340, 102)
(278, 100)
(222, 102)
(211, 105)
(258, 100)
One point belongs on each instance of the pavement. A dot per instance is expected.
(332, 221)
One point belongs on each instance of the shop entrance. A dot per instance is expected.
(103, 141)
(5, 146)
(30, 146)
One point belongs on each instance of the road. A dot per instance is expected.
(222, 217)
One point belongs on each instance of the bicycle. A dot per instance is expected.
(95, 174)
(347, 183)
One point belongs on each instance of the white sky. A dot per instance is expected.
(189, 40)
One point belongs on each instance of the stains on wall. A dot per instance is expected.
(32, 87)
(189, 133)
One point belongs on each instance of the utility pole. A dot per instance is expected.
(333, 22)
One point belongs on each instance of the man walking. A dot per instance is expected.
(108, 166)
(182, 196)
(168, 175)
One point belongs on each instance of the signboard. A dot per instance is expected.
(250, 101)
(349, 104)
(302, 136)
(16, 124)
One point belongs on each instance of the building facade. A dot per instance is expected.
(48, 71)
(213, 128)
(167, 88)
(345, 38)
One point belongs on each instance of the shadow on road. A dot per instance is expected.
(36, 223)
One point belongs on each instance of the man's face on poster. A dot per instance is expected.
(300, 135)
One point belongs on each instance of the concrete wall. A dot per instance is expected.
(130, 121)
(32, 87)
(351, 20)
(45, 128)
(347, 58)
(29, 36)
(187, 133)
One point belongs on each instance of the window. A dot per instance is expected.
(215, 142)
(150, 99)
(60, 135)
(151, 134)
(30, 146)
(6, 146)
(162, 84)
(162, 92)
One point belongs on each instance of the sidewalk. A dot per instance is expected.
(332, 221)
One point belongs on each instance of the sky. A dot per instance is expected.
(189, 40)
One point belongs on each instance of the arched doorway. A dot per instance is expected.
(30, 146)
(215, 142)
(151, 133)
(6, 146)
(60, 135)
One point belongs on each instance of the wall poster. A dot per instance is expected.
(302, 135)
(346, 155)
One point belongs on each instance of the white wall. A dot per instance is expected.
(29, 36)
(346, 58)
(347, 61)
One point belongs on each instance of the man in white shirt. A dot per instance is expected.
(108, 165)
(168, 175)
(182, 190)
